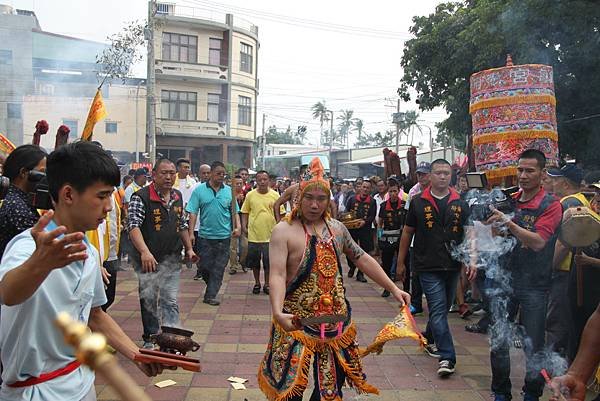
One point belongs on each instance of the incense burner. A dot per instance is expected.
(174, 340)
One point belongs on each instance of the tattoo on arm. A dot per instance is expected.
(351, 248)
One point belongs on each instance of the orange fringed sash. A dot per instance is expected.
(303, 348)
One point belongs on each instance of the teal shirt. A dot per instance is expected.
(213, 209)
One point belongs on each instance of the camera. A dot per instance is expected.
(4, 185)
(480, 202)
(40, 197)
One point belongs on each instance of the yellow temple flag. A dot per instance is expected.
(97, 113)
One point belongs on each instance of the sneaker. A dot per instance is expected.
(361, 277)
(431, 350)
(197, 277)
(478, 310)
(453, 308)
(530, 397)
(464, 311)
(385, 293)
(212, 302)
(446, 368)
(414, 311)
(148, 345)
(233, 270)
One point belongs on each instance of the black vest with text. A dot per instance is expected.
(160, 227)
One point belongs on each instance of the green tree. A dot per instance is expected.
(276, 135)
(376, 139)
(319, 112)
(462, 38)
(346, 123)
(126, 48)
(358, 123)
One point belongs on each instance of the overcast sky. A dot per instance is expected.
(353, 64)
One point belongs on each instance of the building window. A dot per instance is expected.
(178, 105)
(212, 113)
(244, 111)
(214, 51)
(72, 124)
(13, 110)
(176, 47)
(111, 127)
(5, 57)
(246, 58)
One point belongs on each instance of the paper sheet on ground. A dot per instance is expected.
(237, 386)
(234, 379)
(165, 383)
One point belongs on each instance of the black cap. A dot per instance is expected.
(424, 167)
(138, 172)
(569, 171)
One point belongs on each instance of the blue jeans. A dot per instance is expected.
(158, 290)
(214, 256)
(440, 288)
(532, 302)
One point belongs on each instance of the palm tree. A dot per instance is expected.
(411, 121)
(346, 124)
(358, 123)
(319, 112)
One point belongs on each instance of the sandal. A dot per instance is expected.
(256, 289)
(266, 289)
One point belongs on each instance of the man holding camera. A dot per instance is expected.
(24, 167)
(535, 226)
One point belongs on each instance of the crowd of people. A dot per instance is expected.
(403, 236)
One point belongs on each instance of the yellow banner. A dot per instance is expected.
(97, 113)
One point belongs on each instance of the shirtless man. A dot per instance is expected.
(310, 284)
(292, 194)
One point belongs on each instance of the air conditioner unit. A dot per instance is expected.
(221, 133)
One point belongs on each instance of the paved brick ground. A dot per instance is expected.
(233, 337)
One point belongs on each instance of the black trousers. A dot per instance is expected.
(112, 267)
(364, 238)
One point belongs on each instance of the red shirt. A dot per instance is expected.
(547, 223)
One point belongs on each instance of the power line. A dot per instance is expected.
(301, 22)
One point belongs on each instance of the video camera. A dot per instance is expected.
(480, 200)
(40, 197)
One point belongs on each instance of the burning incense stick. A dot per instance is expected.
(549, 383)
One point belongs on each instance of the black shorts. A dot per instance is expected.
(256, 252)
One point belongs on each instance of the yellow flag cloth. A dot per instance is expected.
(97, 113)
(403, 326)
(6, 146)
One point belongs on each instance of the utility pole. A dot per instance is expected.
(331, 140)
(264, 141)
(398, 128)
(150, 86)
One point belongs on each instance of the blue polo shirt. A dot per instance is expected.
(30, 342)
(213, 208)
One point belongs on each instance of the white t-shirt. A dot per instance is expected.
(30, 342)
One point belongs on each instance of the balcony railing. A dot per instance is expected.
(191, 128)
(190, 70)
(208, 15)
